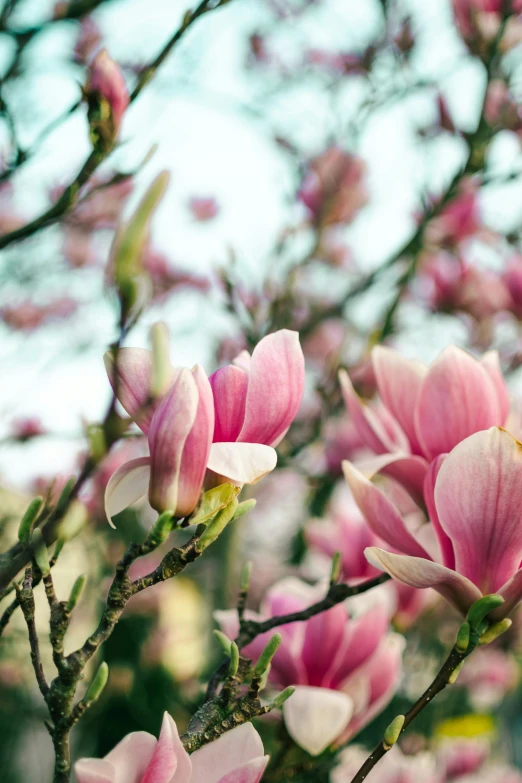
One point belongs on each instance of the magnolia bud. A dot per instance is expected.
(213, 501)
(244, 580)
(495, 630)
(462, 642)
(392, 733)
(335, 571)
(481, 608)
(40, 552)
(282, 697)
(107, 98)
(216, 526)
(224, 641)
(76, 592)
(244, 507)
(266, 656)
(98, 684)
(28, 520)
(234, 660)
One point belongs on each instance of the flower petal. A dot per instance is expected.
(197, 447)
(407, 469)
(229, 387)
(447, 554)
(275, 387)
(381, 514)
(511, 592)
(478, 496)
(315, 717)
(371, 430)
(169, 429)
(457, 399)
(421, 573)
(134, 379)
(213, 762)
(126, 485)
(169, 757)
(241, 463)
(96, 771)
(131, 756)
(491, 363)
(251, 772)
(399, 382)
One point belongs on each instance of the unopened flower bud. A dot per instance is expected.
(282, 697)
(224, 641)
(40, 555)
(462, 642)
(481, 608)
(244, 580)
(392, 733)
(28, 520)
(76, 592)
(217, 525)
(495, 630)
(98, 684)
(107, 98)
(266, 656)
(234, 660)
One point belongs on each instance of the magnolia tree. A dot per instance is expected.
(264, 566)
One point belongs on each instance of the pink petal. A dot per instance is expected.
(243, 360)
(169, 757)
(275, 387)
(381, 514)
(457, 399)
(251, 772)
(134, 378)
(213, 762)
(169, 429)
(478, 496)
(382, 675)
(399, 382)
(315, 717)
(131, 757)
(368, 424)
(241, 463)
(229, 387)
(323, 634)
(511, 592)
(447, 555)
(491, 363)
(365, 635)
(421, 573)
(408, 470)
(126, 485)
(197, 447)
(96, 771)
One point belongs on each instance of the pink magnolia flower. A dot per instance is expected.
(107, 83)
(226, 424)
(458, 757)
(489, 675)
(500, 108)
(473, 545)
(203, 208)
(257, 397)
(334, 189)
(236, 757)
(165, 277)
(27, 428)
(179, 428)
(457, 221)
(513, 281)
(430, 409)
(345, 669)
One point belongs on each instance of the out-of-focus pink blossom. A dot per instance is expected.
(459, 757)
(500, 109)
(203, 208)
(491, 674)
(27, 428)
(101, 206)
(457, 221)
(472, 546)
(455, 286)
(345, 531)
(326, 342)
(236, 757)
(165, 277)
(338, 62)
(334, 188)
(345, 669)
(88, 40)
(77, 248)
(257, 397)
(28, 316)
(106, 84)
(395, 767)
(341, 440)
(513, 280)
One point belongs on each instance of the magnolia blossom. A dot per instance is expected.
(513, 281)
(257, 397)
(345, 669)
(334, 189)
(488, 676)
(106, 81)
(429, 410)
(458, 220)
(236, 757)
(203, 208)
(473, 545)
(227, 425)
